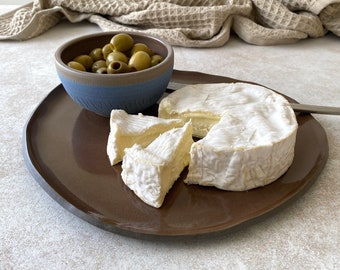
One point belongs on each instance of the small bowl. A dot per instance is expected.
(101, 93)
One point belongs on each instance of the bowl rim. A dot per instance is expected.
(113, 79)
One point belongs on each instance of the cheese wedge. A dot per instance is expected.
(127, 129)
(150, 172)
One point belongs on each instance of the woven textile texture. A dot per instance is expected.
(189, 23)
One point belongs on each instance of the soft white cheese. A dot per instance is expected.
(248, 133)
(204, 104)
(248, 148)
(127, 129)
(150, 172)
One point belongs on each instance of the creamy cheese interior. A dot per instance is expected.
(127, 129)
(150, 172)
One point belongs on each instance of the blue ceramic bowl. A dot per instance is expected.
(100, 93)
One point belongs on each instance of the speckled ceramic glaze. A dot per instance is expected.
(100, 93)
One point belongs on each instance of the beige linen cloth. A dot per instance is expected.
(189, 23)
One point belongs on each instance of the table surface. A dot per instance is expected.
(36, 232)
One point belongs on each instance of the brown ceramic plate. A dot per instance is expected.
(65, 150)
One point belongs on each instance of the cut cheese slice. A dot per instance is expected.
(127, 129)
(150, 172)
(204, 104)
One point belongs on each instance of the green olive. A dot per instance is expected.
(97, 65)
(76, 65)
(121, 42)
(141, 47)
(156, 59)
(116, 56)
(106, 50)
(85, 60)
(96, 54)
(117, 67)
(139, 61)
(102, 70)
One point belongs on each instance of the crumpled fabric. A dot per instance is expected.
(187, 23)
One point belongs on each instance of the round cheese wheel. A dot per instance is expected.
(248, 133)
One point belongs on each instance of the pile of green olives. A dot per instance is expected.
(121, 55)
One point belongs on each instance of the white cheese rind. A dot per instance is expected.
(127, 129)
(248, 133)
(150, 172)
(204, 104)
(246, 149)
